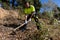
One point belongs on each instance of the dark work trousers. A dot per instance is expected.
(35, 19)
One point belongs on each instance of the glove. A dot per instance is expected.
(30, 19)
(26, 21)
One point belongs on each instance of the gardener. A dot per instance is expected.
(29, 11)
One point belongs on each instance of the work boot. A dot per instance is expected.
(38, 28)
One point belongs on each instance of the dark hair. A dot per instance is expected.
(26, 2)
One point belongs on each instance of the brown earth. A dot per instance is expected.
(9, 20)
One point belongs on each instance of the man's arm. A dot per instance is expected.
(33, 10)
(32, 14)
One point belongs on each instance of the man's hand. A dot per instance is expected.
(30, 19)
(26, 21)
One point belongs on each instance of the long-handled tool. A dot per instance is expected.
(18, 27)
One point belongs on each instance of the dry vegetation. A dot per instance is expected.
(9, 20)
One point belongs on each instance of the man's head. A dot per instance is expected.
(26, 4)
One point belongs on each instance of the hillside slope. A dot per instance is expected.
(9, 20)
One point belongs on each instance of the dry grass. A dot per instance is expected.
(9, 20)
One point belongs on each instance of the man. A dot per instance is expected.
(29, 12)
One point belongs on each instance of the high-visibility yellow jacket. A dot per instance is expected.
(29, 10)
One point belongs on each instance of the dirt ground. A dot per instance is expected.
(9, 21)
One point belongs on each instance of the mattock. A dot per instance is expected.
(13, 31)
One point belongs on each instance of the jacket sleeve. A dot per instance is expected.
(32, 8)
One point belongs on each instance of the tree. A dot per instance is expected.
(58, 8)
(37, 5)
(49, 6)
